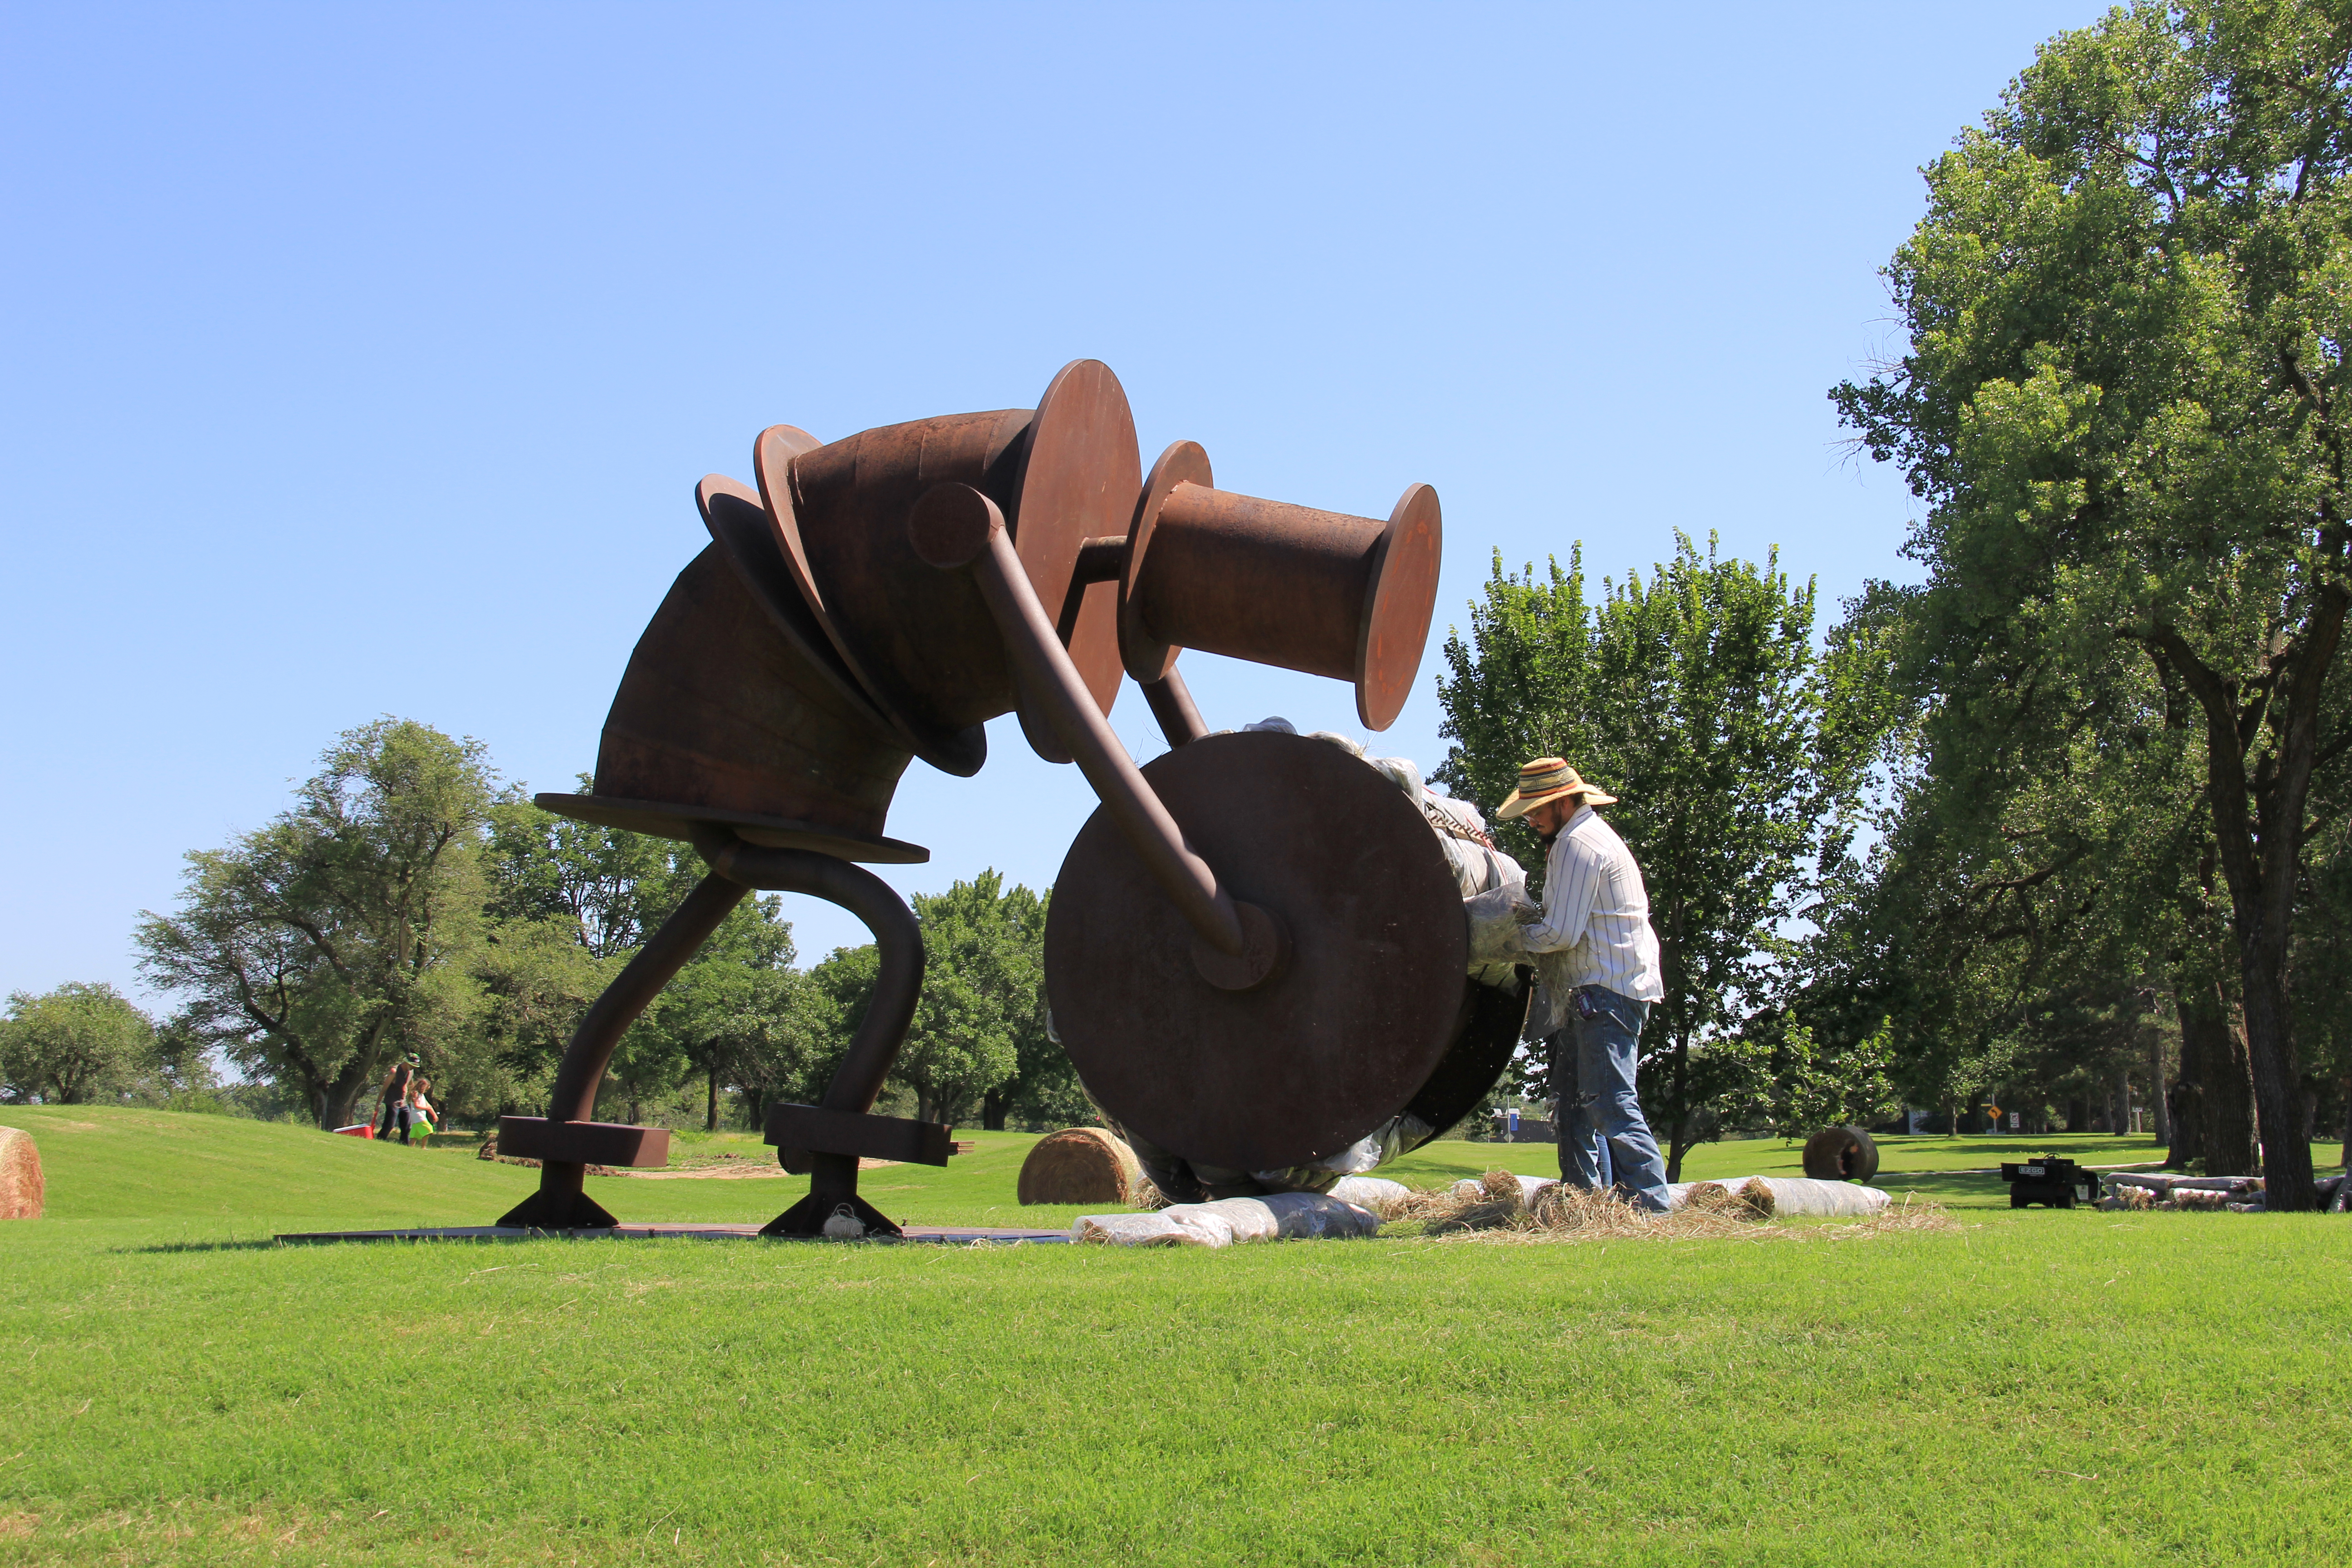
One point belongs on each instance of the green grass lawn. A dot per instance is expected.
(2035, 1388)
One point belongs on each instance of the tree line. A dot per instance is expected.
(2063, 827)
(405, 904)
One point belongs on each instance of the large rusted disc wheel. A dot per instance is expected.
(1842, 1154)
(1341, 1038)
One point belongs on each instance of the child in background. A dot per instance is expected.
(418, 1110)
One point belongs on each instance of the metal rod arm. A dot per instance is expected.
(1171, 703)
(955, 526)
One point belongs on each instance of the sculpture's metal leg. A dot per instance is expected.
(825, 1140)
(570, 1139)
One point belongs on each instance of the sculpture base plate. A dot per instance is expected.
(943, 1235)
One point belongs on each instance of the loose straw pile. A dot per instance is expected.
(1498, 1212)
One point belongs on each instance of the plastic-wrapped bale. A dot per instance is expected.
(22, 1190)
(1750, 1199)
(1473, 1188)
(1081, 1165)
(1374, 1193)
(1292, 1217)
(1799, 1196)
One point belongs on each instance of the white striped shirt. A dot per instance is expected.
(1595, 929)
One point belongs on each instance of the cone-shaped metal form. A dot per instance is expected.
(922, 642)
(735, 712)
(1347, 597)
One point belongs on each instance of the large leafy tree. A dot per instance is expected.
(983, 979)
(1697, 698)
(316, 949)
(73, 1044)
(2123, 403)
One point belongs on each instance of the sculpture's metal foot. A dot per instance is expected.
(560, 1204)
(807, 1217)
(832, 1186)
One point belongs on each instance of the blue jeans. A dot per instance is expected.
(1603, 1140)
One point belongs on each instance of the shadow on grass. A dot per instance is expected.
(264, 1245)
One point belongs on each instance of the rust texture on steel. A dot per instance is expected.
(1321, 592)
(1255, 949)
(955, 526)
(1339, 1040)
(583, 1142)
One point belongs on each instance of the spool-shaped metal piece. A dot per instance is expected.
(725, 718)
(920, 642)
(1322, 592)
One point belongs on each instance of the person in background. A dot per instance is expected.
(395, 1092)
(1598, 961)
(420, 1110)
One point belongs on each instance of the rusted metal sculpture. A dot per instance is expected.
(1256, 950)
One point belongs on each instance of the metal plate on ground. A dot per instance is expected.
(950, 1235)
(1341, 1037)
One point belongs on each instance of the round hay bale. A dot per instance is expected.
(1081, 1165)
(22, 1190)
(1841, 1155)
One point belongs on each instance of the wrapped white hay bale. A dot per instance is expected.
(1081, 1165)
(1135, 1230)
(1496, 1187)
(23, 1191)
(1751, 1198)
(1805, 1198)
(1295, 1216)
(1374, 1193)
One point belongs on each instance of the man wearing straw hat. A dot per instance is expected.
(1599, 960)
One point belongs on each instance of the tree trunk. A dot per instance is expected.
(991, 1112)
(2345, 1154)
(2225, 1097)
(2078, 1115)
(2278, 1083)
(2187, 1094)
(710, 1104)
(2156, 1099)
(2258, 834)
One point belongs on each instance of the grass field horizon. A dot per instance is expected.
(2021, 1388)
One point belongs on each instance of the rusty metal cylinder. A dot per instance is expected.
(1321, 592)
(1220, 560)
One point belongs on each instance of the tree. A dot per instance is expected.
(2124, 402)
(982, 980)
(609, 887)
(1698, 699)
(73, 1044)
(736, 1012)
(320, 947)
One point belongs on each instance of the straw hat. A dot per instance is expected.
(1548, 778)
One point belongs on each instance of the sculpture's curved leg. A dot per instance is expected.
(569, 1140)
(825, 1140)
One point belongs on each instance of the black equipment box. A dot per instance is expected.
(2051, 1180)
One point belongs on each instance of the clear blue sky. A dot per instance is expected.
(361, 359)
